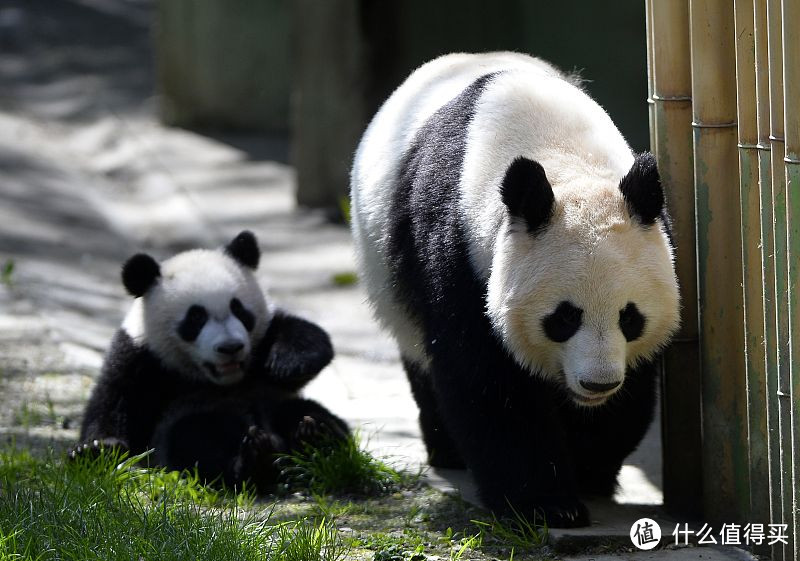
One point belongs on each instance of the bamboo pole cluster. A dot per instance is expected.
(671, 141)
(724, 89)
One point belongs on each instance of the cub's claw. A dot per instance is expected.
(308, 429)
(94, 448)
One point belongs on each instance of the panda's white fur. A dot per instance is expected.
(210, 279)
(592, 252)
(376, 163)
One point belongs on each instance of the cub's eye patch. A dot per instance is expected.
(243, 314)
(631, 322)
(192, 323)
(563, 323)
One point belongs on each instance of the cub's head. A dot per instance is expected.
(201, 311)
(582, 285)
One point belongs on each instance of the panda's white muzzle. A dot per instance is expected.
(594, 367)
(224, 350)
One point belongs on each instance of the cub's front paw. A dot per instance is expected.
(316, 431)
(561, 512)
(257, 455)
(308, 430)
(94, 448)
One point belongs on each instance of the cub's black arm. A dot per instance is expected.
(293, 351)
(127, 399)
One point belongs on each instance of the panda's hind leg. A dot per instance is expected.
(225, 444)
(207, 440)
(442, 451)
(305, 422)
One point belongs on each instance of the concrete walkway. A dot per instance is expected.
(88, 176)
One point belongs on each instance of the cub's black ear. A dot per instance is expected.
(296, 351)
(244, 248)
(139, 273)
(527, 193)
(641, 189)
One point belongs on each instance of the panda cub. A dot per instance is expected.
(520, 254)
(204, 371)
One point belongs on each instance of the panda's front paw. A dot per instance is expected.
(94, 448)
(308, 429)
(561, 512)
(257, 454)
(315, 432)
(259, 445)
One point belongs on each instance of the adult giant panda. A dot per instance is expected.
(520, 255)
(205, 371)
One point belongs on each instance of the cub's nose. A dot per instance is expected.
(229, 347)
(599, 387)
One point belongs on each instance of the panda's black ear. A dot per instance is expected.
(641, 189)
(296, 351)
(139, 273)
(527, 193)
(244, 248)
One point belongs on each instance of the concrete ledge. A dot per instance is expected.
(608, 537)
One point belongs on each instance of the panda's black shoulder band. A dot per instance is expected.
(244, 249)
(139, 273)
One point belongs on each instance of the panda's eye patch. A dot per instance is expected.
(563, 323)
(192, 323)
(631, 322)
(243, 314)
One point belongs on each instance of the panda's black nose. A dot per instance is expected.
(229, 347)
(598, 387)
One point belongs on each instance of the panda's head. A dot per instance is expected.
(201, 311)
(582, 285)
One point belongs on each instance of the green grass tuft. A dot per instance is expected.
(467, 543)
(344, 209)
(303, 540)
(341, 467)
(347, 278)
(7, 272)
(516, 531)
(108, 508)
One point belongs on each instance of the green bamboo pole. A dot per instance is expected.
(791, 96)
(751, 259)
(671, 98)
(651, 108)
(768, 259)
(775, 48)
(719, 258)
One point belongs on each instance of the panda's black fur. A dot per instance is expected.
(528, 446)
(230, 433)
